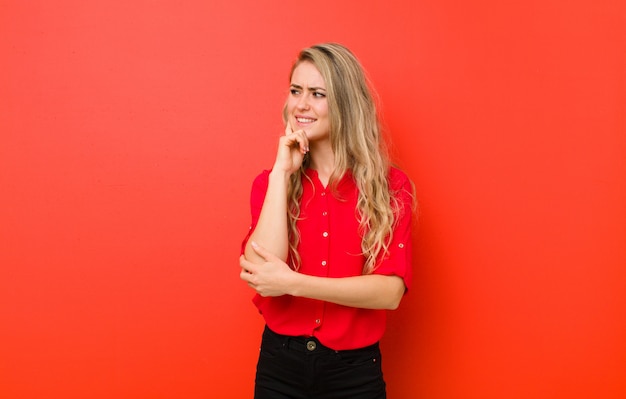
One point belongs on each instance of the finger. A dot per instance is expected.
(303, 140)
(245, 276)
(246, 265)
(288, 129)
(295, 140)
(264, 253)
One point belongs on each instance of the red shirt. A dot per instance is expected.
(330, 246)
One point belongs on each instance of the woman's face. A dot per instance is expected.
(307, 106)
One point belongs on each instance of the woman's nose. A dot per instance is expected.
(303, 102)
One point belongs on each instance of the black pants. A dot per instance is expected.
(302, 368)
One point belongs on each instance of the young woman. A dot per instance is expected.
(329, 247)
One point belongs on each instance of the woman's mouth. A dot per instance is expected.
(301, 119)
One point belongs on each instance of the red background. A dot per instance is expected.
(131, 132)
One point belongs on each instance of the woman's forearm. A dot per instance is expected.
(271, 230)
(372, 291)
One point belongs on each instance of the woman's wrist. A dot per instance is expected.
(279, 175)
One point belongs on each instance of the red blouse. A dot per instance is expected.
(330, 246)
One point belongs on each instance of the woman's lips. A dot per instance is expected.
(304, 120)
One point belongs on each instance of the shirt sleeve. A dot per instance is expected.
(398, 261)
(257, 196)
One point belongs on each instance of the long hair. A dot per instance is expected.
(358, 147)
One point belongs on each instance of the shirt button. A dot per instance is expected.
(401, 245)
(325, 234)
(323, 194)
(317, 321)
(323, 214)
(323, 263)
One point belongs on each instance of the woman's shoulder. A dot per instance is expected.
(264, 174)
(262, 179)
(402, 188)
(397, 178)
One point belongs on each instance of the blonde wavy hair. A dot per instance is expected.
(358, 146)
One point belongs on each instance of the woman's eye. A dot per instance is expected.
(294, 92)
(319, 95)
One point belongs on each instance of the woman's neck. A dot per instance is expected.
(323, 162)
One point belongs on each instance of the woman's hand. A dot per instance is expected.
(271, 278)
(292, 148)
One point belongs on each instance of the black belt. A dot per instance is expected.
(313, 345)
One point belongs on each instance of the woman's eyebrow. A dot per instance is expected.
(295, 86)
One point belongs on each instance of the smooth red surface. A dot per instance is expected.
(130, 132)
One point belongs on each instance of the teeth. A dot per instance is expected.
(305, 120)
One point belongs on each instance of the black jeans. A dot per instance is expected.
(302, 368)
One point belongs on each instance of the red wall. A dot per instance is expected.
(131, 131)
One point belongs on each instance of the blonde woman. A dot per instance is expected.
(329, 247)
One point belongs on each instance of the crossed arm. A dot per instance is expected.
(274, 277)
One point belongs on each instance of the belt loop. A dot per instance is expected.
(286, 342)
